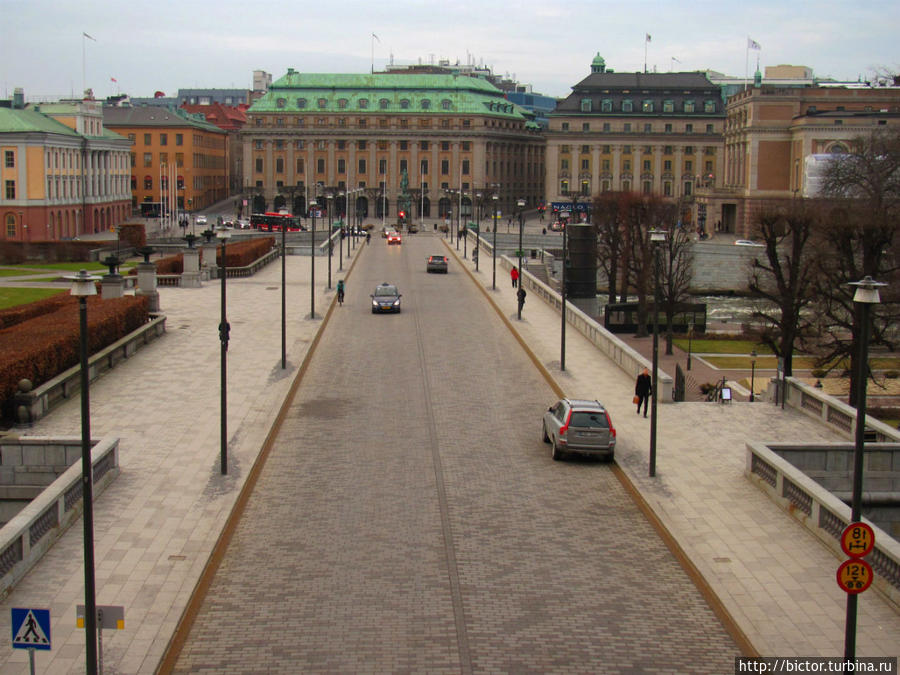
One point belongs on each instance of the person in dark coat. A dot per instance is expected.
(642, 388)
(520, 297)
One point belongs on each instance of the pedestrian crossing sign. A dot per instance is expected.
(30, 628)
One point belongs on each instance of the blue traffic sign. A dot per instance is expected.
(30, 628)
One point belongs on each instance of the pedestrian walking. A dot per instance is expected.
(514, 275)
(642, 388)
(340, 292)
(520, 296)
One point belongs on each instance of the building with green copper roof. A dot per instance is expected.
(62, 172)
(456, 138)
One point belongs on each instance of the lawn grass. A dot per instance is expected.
(711, 346)
(65, 266)
(798, 363)
(13, 297)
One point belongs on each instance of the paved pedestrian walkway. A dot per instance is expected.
(158, 521)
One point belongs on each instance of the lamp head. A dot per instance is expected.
(520, 203)
(83, 284)
(657, 236)
(867, 290)
(223, 232)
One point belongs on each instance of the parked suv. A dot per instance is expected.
(576, 425)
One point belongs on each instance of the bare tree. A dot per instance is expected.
(608, 218)
(784, 276)
(676, 273)
(859, 240)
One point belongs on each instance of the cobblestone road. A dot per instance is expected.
(409, 518)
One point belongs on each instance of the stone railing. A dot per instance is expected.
(818, 510)
(829, 410)
(35, 403)
(626, 358)
(28, 535)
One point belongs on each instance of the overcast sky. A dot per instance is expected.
(164, 45)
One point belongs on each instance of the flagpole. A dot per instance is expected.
(747, 63)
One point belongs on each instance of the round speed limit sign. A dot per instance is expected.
(854, 576)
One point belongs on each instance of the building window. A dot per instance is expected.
(424, 167)
(585, 105)
(709, 167)
(606, 126)
(585, 126)
(585, 165)
(585, 149)
(342, 103)
(605, 165)
(667, 189)
(299, 144)
(163, 139)
(689, 166)
(259, 165)
(404, 104)
(465, 167)
(648, 186)
(148, 183)
(668, 129)
(279, 165)
(279, 122)
(300, 167)
(425, 104)
(179, 139)
(279, 144)
(10, 226)
(606, 105)
(626, 149)
(322, 102)
(564, 187)
(648, 128)
(445, 145)
(688, 108)
(382, 167)
(647, 106)
(301, 103)
(148, 159)
(709, 129)
(668, 106)
(627, 105)
(687, 188)
(280, 103)
(446, 104)
(320, 165)
(565, 126)
(689, 149)
(131, 137)
(466, 124)
(148, 139)
(361, 123)
(627, 127)
(342, 166)
(688, 128)
(383, 104)
(9, 159)
(404, 165)
(626, 166)
(10, 189)
(709, 106)
(361, 166)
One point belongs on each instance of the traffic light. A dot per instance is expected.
(403, 214)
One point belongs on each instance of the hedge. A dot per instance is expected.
(15, 315)
(18, 252)
(243, 253)
(42, 347)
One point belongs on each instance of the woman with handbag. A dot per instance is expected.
(642, 388)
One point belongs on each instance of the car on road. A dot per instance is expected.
(394, 238)
(747, 242)
(386, 298)
(200, 220)
(437, 263)
(557, 226)
(579, 425)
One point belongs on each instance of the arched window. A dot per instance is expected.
(837, 149)
(301, 103)
(280, 103)
(404, 103)
(322, 102)
(446, 104)
(425, 104)
(342, 103)
(363, 103)
(383, 104)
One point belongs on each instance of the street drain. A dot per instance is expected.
(722, 560)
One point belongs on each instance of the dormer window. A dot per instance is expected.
(445, 104)
(342, 103)
(425, 104)
(322, 102)
(404, 103)
(301, 103)
(280, 103)
(363, 103)
(383, 104)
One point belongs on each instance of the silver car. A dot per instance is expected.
(576, 425)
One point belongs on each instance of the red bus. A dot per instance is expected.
(274, 222)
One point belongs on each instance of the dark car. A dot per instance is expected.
(576, 425)
(386, 298)
(437, 263)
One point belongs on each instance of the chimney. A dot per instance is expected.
(18, 98)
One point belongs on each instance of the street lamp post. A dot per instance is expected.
(494, 199)
(521, 204)
(565, 258)
(657, 237)
(865, 296)
(224, 330)
(341, 237)
(465, 229)
(312, 264)
(752, 374)
(690, 339)
(83, 285)
(329, 199)
(283, 299)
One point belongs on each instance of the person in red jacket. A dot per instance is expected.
(514, 275)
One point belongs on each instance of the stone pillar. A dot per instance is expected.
(112, 286)
(146, 274)
(209, 268)
(190, 278)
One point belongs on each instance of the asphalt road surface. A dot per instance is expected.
(409, 518)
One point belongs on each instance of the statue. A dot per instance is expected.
(403, 200)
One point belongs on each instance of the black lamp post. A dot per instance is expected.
(690, 339)
(329, 200)
(341, 237)
(521, 204)
(752, 374)
(657, 238)
(565, 260)
(224, 330)
(464, 227)
(865, 296)
(494, 199)
(283, 299)
(475, 250)
(312, 264)
(83, 285)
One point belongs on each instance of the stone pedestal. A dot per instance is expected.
(146, 274)
(112, 286)
(190, 278)
(209, 258)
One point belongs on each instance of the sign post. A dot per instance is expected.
(108, 616)
(31, 631)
